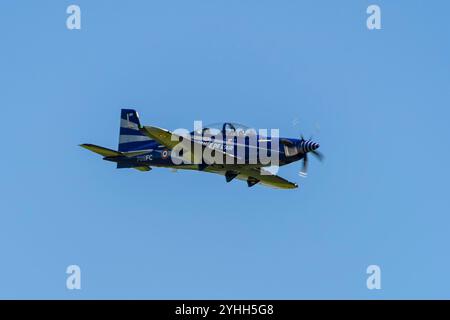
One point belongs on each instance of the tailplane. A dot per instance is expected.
(114, 156)
(101, 150)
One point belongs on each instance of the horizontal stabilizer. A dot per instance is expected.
(100, 150)
(143, 168)
(122, 165)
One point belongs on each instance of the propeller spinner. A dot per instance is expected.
(308, 146)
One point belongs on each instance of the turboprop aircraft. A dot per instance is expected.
(228, 149)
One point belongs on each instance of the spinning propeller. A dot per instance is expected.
(308, 146)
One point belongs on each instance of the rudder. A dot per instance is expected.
(130, 136)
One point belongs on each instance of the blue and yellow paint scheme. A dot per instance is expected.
(143, 147)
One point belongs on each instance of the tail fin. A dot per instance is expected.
(130, 137)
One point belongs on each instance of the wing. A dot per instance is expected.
(170, 140)
(251, 174)
(257, 175)
(163, 136)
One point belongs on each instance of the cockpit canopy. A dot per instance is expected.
(224, 128)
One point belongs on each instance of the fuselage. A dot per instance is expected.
(250, 152)
(229, 149)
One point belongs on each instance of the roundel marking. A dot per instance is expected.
(164, 154)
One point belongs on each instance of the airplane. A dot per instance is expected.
(144, 147)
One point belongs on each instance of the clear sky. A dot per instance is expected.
(380, 98)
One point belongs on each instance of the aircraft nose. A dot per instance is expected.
(308, 145)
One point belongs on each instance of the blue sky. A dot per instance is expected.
(380, 98)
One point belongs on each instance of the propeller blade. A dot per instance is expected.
(304, 171)
(318, 155)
